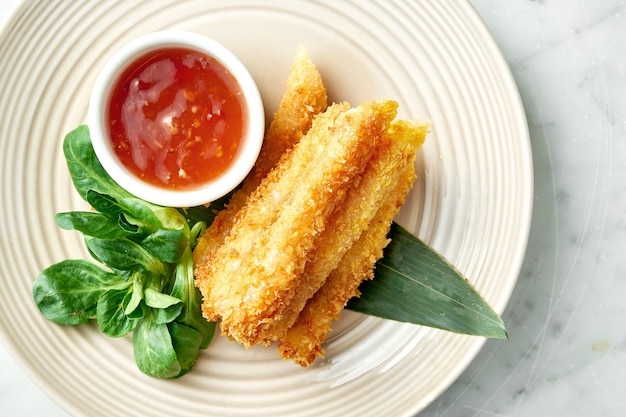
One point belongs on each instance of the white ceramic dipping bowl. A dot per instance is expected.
(254, 125)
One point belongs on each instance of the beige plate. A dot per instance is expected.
(472, 200)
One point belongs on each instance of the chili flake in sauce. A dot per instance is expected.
(176, 118)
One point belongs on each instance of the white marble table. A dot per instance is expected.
(567, 350)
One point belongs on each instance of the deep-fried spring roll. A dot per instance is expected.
(303, 341)
(257, 271)
(304, 97)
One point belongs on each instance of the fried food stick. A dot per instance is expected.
(396, 149)
(257, 271)
(303, 341)
(304, 97)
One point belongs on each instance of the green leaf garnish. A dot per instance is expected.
(90, 223)
(415, 284)
(86, 171)
(149, 288)
(68, 292)
(111, 316)
(154, 350)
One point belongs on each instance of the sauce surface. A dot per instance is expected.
(176, 118)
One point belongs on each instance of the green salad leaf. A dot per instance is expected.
(144, 284)
(86, 171)
(68, 292)
(154, 349)
(143, 279)
(91, 223)
(111, 312)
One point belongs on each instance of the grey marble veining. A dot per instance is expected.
(566, 355)
(567, 349)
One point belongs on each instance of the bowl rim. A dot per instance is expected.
(97, 119)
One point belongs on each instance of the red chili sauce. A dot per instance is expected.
(176, 118)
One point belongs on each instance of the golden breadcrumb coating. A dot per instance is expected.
(304, 97)
(308, 224)
(256, 273)
(396, 149)
(366, 216)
